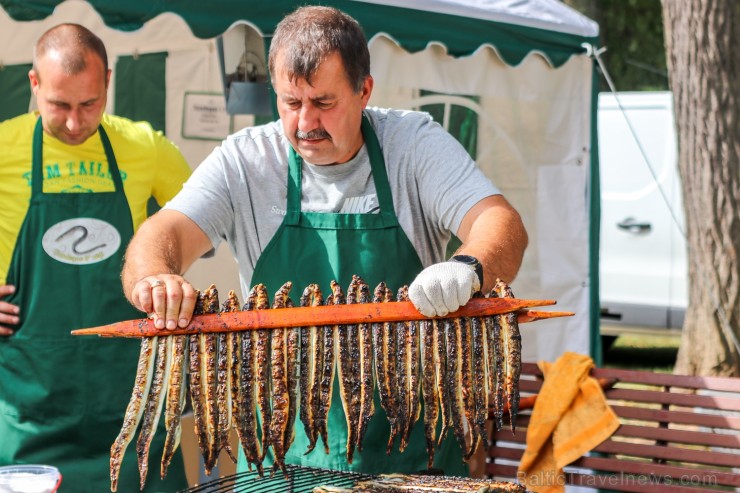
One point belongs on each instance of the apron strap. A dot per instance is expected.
(377, 165)
(37, 168)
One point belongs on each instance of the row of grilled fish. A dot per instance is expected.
(461, 368)
(410, 483)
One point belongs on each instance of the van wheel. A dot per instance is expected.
(607, 342)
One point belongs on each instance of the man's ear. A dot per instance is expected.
(34, 80)
(367, 90)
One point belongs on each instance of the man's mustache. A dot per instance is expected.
(312, 135)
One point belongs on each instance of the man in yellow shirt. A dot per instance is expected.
(74, 185)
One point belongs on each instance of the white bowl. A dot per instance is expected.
(29, 479)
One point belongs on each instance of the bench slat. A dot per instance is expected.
(678, 417)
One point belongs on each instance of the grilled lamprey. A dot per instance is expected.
(135, 408)
(176, 390)
(345, 369)
(429, 385)
(408, 350)
(262, 352)
(512, 344)
(426, 483)
(312, 361)
(326, 378)
(367, 380)
(479, 378)
(209, 378)
(199, 348)
(244, 388)
(225, 363)
(280, 385)
(153, 408)
(384, 345)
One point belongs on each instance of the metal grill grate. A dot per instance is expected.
(301, 479)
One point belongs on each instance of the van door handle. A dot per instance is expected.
(630, 225)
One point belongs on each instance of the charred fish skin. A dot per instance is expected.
(467, 378)
(496, 358)
(402, 374)
(329, 343)
(411, 366)
(312, 361)
(380, 353)
(175, 399)
(135, 408)
(353, 375)
(429, 386)
(153, 409)
(440, 358)
(293, 368)
(453, 338)
(345, 369)
(479, 382)
(197, 396)
(367, 380)
(390, 357)
(225, 363)
(244, 390)
(209, 378)
(262, 361)
(512, 352)
(279, 378)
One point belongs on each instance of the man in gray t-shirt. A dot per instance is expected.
(331, 190)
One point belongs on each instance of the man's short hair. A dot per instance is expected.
(73, 42)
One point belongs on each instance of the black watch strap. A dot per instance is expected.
(473, 262)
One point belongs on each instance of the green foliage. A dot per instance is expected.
(632, 32)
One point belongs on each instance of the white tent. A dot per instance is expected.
(522, 67)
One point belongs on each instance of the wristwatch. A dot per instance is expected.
(471, 261)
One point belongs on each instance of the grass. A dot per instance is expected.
(643, 352)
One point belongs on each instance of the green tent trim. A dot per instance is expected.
(460, 35)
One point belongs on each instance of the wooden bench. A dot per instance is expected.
(678, 433)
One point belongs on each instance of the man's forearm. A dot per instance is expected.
(497, 238)
(159, 247)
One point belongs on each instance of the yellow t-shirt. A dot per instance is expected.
(150, 166)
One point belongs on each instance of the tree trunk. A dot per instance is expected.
(702, 43)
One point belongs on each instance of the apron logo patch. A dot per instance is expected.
(81, 241)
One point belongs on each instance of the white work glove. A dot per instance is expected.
(443, 288)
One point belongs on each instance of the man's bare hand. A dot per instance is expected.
(8, 312)
(166, 298)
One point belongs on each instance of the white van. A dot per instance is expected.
(643, 248)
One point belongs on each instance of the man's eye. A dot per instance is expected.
(292, 104)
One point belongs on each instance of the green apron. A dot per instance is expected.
(317, 248)
(62, 398)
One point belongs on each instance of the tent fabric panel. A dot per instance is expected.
(543, 171)
(141, 89)
(550, 15)
(15, 90)
(412, 29)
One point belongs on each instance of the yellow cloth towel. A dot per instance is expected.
(570, 417)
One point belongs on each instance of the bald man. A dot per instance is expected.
(74, 186)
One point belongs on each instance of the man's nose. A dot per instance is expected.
(308, 119)
(73, 120)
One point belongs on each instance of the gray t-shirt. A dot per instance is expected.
(238, 194)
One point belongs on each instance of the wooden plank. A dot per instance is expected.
(613, 482)
(677, 454)
(724, 384)
(669, 398)
(678, 417)
(674, 436)
(708, 477)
